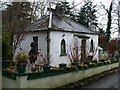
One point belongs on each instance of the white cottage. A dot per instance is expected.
(55, 34)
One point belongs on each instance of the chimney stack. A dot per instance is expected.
(59, 10)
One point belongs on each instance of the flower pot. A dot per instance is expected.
(63, 65)
(5, 64)
(91, 65)
(113, 61)
(46, 69)
(80, 67)
(90, 58)
(95, 61)
(75, 63)
(86, 62)
(70, 69)
(21, 67)
(59, 71)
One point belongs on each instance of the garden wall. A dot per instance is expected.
(22, 81)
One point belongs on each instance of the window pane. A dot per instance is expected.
(35, 39)
(63, 47)
(91, 46)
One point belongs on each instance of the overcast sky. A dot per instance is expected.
(105, 2)
(102, 19)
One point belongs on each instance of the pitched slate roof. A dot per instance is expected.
(41, 24)
(60, 24)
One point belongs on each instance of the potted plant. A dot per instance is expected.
(46, 67)
(34, 70)
(91, 65)
(105, 62)
(21, 60)
(100, 63)
(95, 61)
(81, 66)
(90, 56)
(11, 66)
(63, 65)
(56, 70)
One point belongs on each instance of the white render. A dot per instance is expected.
(42, 43)
(54, 81)
(56, 38)
(55, 44)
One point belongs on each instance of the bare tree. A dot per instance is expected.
(38, 9)
(112, 18)
(115, 14)
(111, 26)
(16, 17)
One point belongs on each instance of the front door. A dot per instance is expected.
(35, 39)
(83, 50)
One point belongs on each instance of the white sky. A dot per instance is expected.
(105, 2)
(102, 19)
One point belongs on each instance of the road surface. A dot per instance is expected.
(110, 81)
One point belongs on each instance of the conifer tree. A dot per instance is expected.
(87, 14)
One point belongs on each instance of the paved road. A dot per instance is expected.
(110, 81)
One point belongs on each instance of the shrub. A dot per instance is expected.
(21, 58)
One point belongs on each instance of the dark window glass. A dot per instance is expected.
(91, 46)
(63, 47)
(35, 39)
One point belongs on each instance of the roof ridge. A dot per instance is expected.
(81, 25)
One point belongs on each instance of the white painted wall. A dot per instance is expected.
(42, 43)
(95, 42)
(54, 81)
(88, 42)
(55, 44)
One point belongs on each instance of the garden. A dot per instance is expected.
(44, 69)
(37, 65)
(37, 74)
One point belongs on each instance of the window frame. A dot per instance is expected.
(92, 45)
(63, 48)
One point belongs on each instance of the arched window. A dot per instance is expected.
(91, 46)
(63, 48)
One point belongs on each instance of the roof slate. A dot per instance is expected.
(58, 23)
